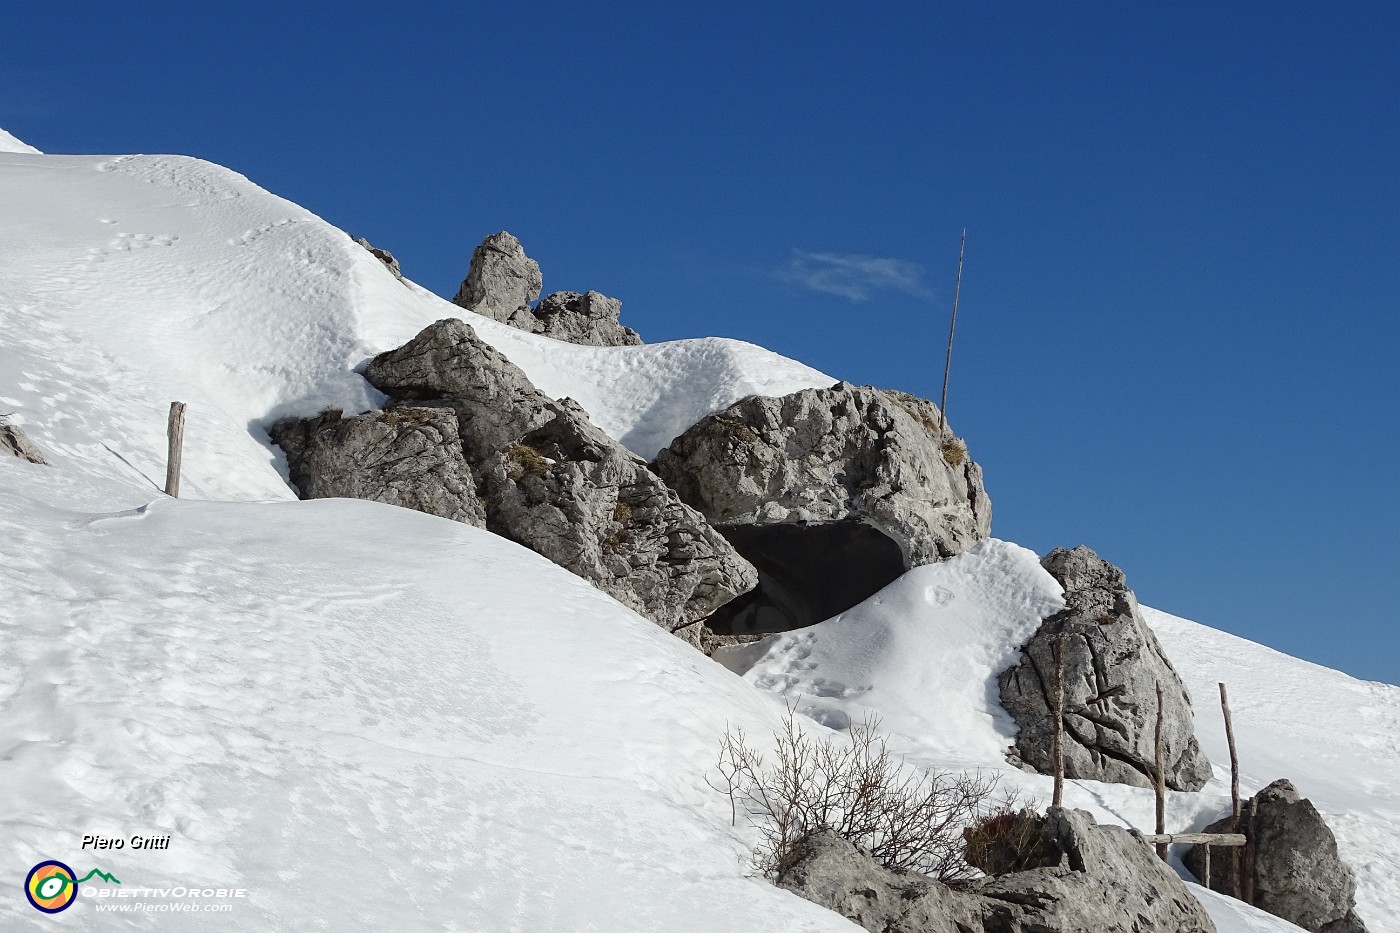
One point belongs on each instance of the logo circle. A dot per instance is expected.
(51, 886)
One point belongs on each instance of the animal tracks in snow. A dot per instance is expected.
(257, 233)
(126, 243)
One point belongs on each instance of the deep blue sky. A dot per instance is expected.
(1178, 333)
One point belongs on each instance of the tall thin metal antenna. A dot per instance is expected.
(948, 363)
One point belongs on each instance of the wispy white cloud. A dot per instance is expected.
(853, 276)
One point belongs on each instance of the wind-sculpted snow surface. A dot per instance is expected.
(418, 726)
(921, 654)
(128, 282)
(8, 143)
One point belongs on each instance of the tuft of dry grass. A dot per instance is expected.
(527, 461)
(622, 516)
(954, 451)
(400, 416)
(737, 430)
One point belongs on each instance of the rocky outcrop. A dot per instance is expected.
(555, 483)
(384, 256)
(408, 456)
(832, 493)
(15, 442)
(835, 874)
(503, 281)
(1113, 666)
(1103, 880)
(1298, 874)
(590, 318)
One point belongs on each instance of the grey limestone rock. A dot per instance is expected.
(830, 455)
(835, 874)
(832, 493)
(501, 280)
(409, 457)
(1113, 665)
(1103, 880)
(384, 256)
(1298, 873)
(590, 318)
(555, 483)
(15, 442)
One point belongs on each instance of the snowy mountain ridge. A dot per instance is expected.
(458, 733)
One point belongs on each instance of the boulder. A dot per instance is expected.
(384, 256)
(501, 280)
(590, 318)
(1113, 666)
(15, 442)
(1103, 879)
(408, 456)
(555, 483)
(1298, 873)
(837, 875)
(831, 493)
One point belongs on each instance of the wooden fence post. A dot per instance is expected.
(1236, 863)
(1059, 745)
(1247, 886)
(1160, 783)
(1205, 857)
(175, 431)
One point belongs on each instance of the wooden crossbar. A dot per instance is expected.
(1206, 839)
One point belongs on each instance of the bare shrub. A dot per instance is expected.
(909, 821)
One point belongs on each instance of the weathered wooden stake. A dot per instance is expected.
(1160, 783)
(1205, 858)
(948, 363)
(1059, 744)
(175, 431)
(1236, 858)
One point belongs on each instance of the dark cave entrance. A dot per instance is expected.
(806, 573)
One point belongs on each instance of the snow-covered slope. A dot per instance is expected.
(9, 144)
(923, 655)
(365, 717)
(369, 718)
(132, 281)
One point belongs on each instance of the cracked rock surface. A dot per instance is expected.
(15, 442)
(409, 457)
(557, 484)
(1103, 880)
(1113, 666)
(1298, 873)
(829, 455)
(503, 281)
(832, 493)
(589, 318)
